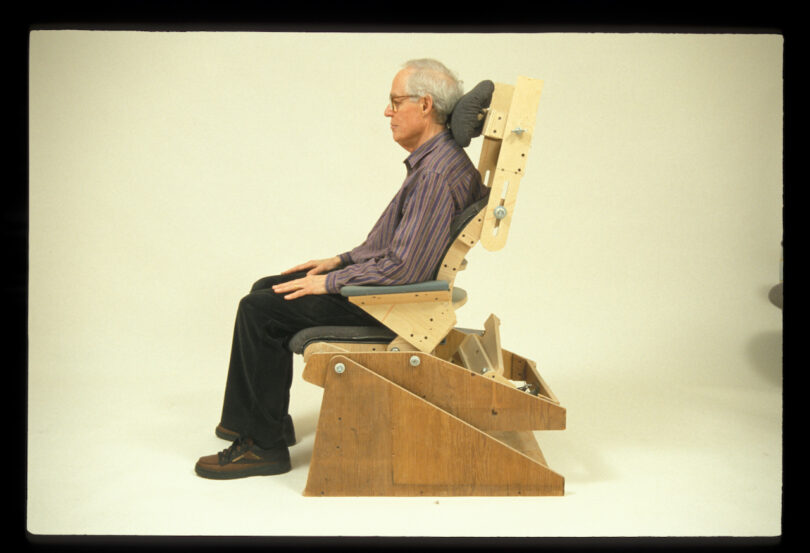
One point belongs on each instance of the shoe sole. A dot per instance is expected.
(263, 470)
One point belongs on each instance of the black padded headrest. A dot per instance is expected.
(467, 121)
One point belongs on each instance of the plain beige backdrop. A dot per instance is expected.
(169, 171)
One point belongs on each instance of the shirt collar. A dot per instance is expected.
(418, 154)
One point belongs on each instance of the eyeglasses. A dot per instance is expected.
(395, 101)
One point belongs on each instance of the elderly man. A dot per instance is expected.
(404, 246)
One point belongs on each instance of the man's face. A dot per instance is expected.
(409, 122)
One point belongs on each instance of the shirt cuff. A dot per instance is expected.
(332, 287)
(346, 259)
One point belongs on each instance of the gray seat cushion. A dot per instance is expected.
(362, 334)
(354, 334)
(427, 286)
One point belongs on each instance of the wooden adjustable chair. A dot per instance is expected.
(419, 407)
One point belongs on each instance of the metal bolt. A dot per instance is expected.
(484, 370)
(529, 389)
(415, 361)
(518, 131)
(394, 348)
(339, 368)
(499, 212)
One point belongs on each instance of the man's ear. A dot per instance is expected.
(427, 104)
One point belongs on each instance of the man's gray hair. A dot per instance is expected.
(431, 78)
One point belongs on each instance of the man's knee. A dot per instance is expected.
(267, 283)
(259, 300)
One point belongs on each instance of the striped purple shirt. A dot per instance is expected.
(407, 242)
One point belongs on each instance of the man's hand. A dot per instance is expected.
(310, 284)
(316, 266)
(313, 283)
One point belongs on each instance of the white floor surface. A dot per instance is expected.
(169, 171)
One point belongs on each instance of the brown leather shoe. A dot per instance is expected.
(244, 458)
(288, 431)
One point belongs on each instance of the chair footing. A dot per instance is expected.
(376, 438)
(411, 423)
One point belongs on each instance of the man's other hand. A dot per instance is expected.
(310, 284)
(316, 266)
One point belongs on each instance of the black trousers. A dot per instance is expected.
(257, 391)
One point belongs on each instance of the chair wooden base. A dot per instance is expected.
(417, 424)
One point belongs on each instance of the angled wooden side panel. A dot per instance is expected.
(395, 443)
(523, 441)
(423, 323)
(520, 368)
(482, 402)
